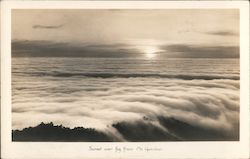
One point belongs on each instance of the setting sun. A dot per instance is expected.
(151, 51)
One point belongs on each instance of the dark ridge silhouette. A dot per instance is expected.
(50, 132)
(137, 131)
(143, 131)
(189, 132)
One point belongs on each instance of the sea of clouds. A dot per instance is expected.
(99, 103)
(140, 94)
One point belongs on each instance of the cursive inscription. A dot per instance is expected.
(124, 149)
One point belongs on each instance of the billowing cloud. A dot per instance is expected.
(211, 106)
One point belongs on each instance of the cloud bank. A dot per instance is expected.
(209, 105)
(193, 51)
(53, 49)
(125, 97)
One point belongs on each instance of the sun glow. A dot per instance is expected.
(151, 51)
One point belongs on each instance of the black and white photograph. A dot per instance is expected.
(125, 75)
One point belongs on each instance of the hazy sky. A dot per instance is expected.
(128, 31)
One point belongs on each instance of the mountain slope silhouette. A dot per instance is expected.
(51, 132)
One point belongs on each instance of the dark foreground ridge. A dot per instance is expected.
(136, 131)
(51, 132)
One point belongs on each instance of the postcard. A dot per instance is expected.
(125, 79)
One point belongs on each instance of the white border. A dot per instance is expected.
(81, 150)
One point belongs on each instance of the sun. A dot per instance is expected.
(151, 51)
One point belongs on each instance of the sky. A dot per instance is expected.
(123, 33)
